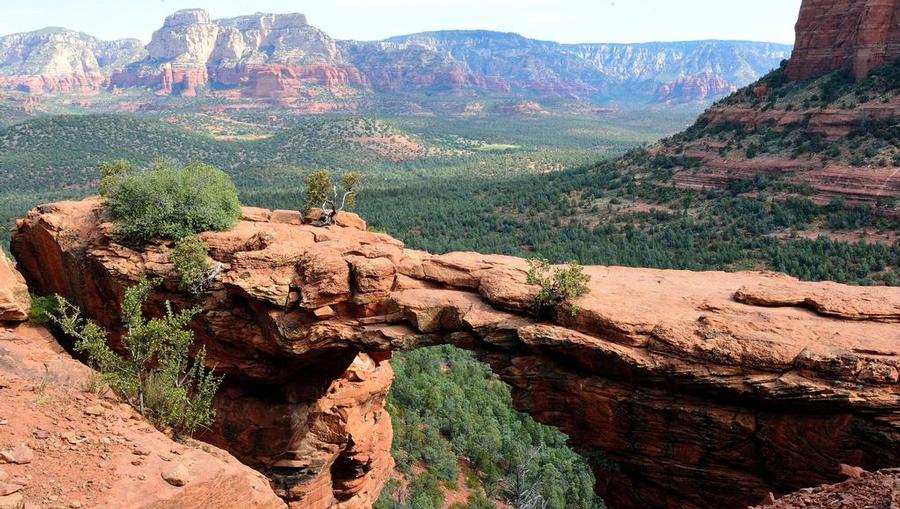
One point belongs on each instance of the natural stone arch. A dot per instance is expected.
(707, 389)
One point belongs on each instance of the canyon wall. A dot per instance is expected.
(57, 60)
(852, 35)
(262, 56)
(821, 136)
(68, 443)
(282, 57)
(701, 390)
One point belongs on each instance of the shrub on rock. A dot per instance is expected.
(191, 260)
(154, 372)
(557, 285)
(167, 202)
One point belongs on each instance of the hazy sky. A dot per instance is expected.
(558, 20)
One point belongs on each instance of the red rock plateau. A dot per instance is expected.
(263, 56)
(853, 35)
(706, 390)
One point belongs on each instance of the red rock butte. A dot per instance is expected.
(706, 390)
(851, 35)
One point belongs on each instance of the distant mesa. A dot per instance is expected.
(282, 57)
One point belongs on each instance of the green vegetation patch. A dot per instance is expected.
(167, 202)
(448, 408)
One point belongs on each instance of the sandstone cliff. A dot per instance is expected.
(851, 35)
(264, 55)
(826, 136)
(483, 61)
(14, 299)
(281, 57)
(56, 60)
(64, 444)
(704, 389)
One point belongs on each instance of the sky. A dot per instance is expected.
(568, 21)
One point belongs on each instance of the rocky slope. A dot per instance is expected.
(63, 445)
(282, 57)
(864, 490)
(263, 55)
(57, 60)
(824, 125)
(704, 389)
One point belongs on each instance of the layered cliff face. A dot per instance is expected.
(66, 445)
(499, 62)
(851, 35)
(810, 125)
(56, 60)
(703, 389)
(281, 56)
(263, 55)
(696, 88)
(14, 299)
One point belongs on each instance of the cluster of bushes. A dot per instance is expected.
(154, 370)
(166, 202)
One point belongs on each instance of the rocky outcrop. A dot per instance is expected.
(696, 88)
(65, 445)
(879, 490)
(703, 389)
(851, 35)
(56, 60)
(14, 298)
(263, 56)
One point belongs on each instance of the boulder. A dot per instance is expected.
(14, 299)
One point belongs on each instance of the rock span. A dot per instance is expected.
(851, 35)
(704, 389)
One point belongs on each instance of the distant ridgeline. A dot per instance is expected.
(282, 59)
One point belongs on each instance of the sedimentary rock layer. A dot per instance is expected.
(852, 35)
(703, 389)
(66, 442)
(14, 300)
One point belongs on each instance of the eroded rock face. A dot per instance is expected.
(878, 490)
(852, 35)
(14, 299)
(468, 62)
(263, 56)
(57, 60)
(706, 390)
(63, 442)
(697, 88)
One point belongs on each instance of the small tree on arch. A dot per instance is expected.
(323, 192)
